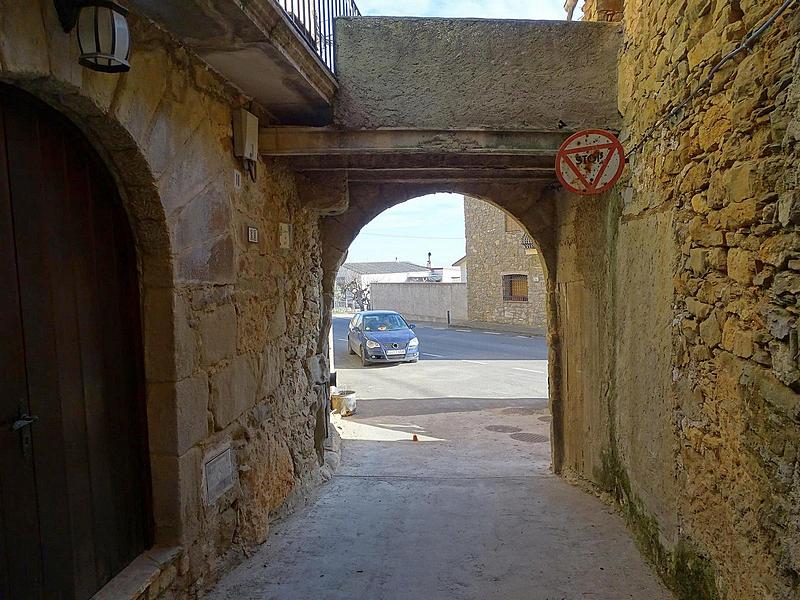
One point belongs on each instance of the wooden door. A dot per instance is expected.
(74, 482)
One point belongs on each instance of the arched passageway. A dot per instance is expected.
(532, 204)
(446, 489)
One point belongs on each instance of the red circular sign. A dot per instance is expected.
(590, 162)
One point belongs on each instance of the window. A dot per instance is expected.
(515, 288)
(511, 225)
(387, 322)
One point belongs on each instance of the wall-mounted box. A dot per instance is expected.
(245, 134)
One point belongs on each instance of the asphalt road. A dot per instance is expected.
(454, 363)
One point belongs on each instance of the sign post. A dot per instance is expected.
(590, 162)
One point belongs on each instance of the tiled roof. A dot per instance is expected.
(378, 268)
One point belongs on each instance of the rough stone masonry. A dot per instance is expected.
(711, 203)
(672, 300)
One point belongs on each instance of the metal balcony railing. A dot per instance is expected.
(313, 19)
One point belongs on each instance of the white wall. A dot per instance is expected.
(422, 301)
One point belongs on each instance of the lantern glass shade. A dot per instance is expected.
(103, 37)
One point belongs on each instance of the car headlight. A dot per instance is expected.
(371, 344)
(413, 343)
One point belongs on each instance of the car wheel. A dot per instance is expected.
(364, 361)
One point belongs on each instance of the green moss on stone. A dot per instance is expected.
(684, 570)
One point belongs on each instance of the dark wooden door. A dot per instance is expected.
(74, 483)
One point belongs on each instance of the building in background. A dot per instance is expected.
(461, 263)
(353, 280)
(506, 283)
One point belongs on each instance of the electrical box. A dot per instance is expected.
(245, 134)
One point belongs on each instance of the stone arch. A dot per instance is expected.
(137, 189)
(533, 206)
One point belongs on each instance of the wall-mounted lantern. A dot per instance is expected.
(103, 34)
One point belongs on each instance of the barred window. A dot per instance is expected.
(515, 288)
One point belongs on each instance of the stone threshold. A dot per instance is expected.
(137, 579)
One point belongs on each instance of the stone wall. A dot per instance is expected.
(603, 10)
(233, 355)
(692, 289)
(491, 253)
(401, 72)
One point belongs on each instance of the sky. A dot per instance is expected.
(485, 9)
(435, 224)
(408, 231)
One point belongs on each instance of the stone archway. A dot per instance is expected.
(533, 206)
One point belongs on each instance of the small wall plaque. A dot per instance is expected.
(252, 235)
(218, 475)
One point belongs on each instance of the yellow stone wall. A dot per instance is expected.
(711, 207)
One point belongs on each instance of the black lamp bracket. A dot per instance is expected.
(68, 10)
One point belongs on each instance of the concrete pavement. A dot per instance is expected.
(470, 511)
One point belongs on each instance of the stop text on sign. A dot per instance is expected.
(590, 162)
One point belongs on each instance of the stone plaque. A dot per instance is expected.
(218, 475)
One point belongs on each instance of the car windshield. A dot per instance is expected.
(384, 323)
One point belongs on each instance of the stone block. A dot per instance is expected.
(205, 217)
(176, 496)
(786, 282)
(739, 214)
(217, 335)
(784, 363)
(779, 322)
(272, 363)
(789, 208)
(741, 265)
(233, 390)
(191, 396)
(740, 181)
(186, 349)
(700, 204)
(162, 418)
(737, 340)
(708, 49)
(717, 258)
(778, 249)
(212, 261)
(159, 337)
(697, 308)
(697, 261)
(703, 235)
(695, 178)
(277, 324)
(710, 331)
